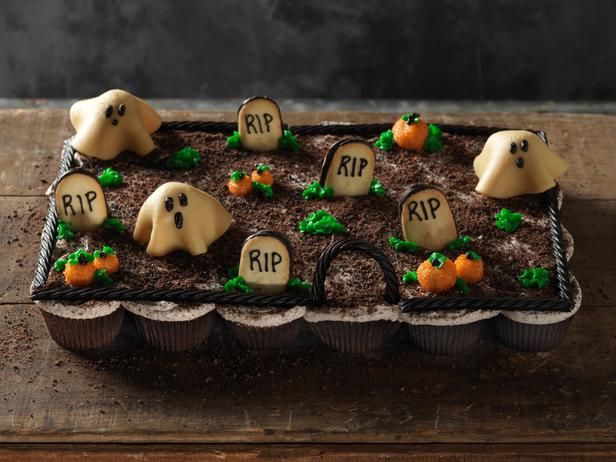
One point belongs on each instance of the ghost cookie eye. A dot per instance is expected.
(121, 109)
(513, 148)
(109, 111)
(524, 145)
(183, 199)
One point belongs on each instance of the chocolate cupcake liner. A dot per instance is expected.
(175, 335)
(265, 338)
(354, 337)
(84, 334)
(530, 337)
(445, 340)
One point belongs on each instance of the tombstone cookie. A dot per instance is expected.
(348, 168)
(113, 122)
(80, 200)
(516, 162)
(265, 262)
(426, 218)
(180, 217)
(259, 124)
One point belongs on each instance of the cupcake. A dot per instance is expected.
(170, 327)
(354, 329)
(265, 328)
(87, 326)
(536, 331)
(446, 332)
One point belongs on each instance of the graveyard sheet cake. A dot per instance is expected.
(354, 229)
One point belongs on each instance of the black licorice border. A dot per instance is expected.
(317, 296)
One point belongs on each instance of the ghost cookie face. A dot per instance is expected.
(178, 216)
(259, 124)
(80, 200)
(113, 122)
(348, 168)
(426, 217)
(516, 162)
(265, 262)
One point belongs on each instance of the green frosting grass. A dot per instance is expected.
(114, 224)
(462, 286)
(400, 245)
(460, 243)
(102, 278)
(508, 221)
(321, 222)
(64, 230)
(266, 190)
(316, 191)
(110, 178)
(385, 141)
(298, 285)
(237, 284)
(410, 277)
(234, 141)
(184, 159)
(377, 188)
(434, 142)
(537, 278)
(289, 142)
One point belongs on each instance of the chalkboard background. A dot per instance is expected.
(422, 49)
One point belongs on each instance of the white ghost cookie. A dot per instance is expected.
(516, 162)
(113, 122)
(178, 216)
(265, 262)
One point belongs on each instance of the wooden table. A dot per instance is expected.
(132, 403)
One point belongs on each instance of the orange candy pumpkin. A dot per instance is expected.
(263, 174)
(410, 132)
(239, 184)
(437, 273)
(469, 266)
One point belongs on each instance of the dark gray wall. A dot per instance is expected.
(421, 49)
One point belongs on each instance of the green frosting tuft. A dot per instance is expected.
(411, 118)
(59, 265)
(437, 259)
(110, 178)
(385, 142)
(104, 252)
(237, 284)
(184, 159)
(508, 221)
(472, 255)
(237, 175)
(65, 230)
(298, 285)
(460, 243)
(101, 277)
(266, 190)
(114, 224)
(80, 256)
(462, 286)
(262, 168)
(434, 142)
(410, 277)
(377, 188)
(321, 222)
(400, 245)
(316, 191)
(537, 278)
(234, 271)
(234, 141)
(289, 142)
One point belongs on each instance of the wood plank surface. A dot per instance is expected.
(492, 401)
(312, 453)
